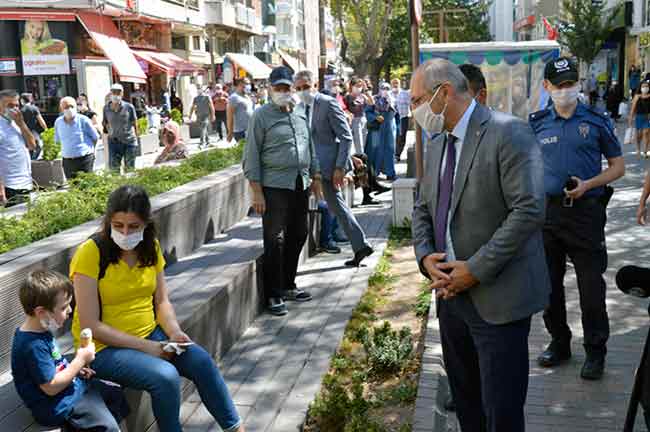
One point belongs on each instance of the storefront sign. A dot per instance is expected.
(7, 66)
(644, 39)
(43, 54)
(528, 21)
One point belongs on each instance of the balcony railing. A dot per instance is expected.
(194, 4)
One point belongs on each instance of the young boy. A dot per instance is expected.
(58, 392)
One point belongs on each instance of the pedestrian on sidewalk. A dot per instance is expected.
(380, 146)
(403, 105)
(356, 101)
(174, 146)
(240, 110)
(640, 114)
(281, 164)
(220, 104)
(480, 243)
(78, 139)
(574, 139)
(202, 106)
(16, 141)
(120, 120)
(332, 140)
(34, 121)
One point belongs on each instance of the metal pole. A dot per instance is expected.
(415, 57)
(322, 61)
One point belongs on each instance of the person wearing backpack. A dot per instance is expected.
(119, 283)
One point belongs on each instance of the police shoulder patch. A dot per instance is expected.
(583, 130)
(537, 115)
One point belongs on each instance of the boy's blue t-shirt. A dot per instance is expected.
(35, 359)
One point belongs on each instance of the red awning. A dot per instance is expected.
(36, 15)
(169, 63)
(104, 32)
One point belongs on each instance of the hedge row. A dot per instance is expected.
(54, 212)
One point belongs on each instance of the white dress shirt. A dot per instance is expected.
(460, 132)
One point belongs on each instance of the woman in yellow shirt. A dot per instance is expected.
(129, 312)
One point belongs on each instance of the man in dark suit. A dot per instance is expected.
(332, 139)
(477, 233)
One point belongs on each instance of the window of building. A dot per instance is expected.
(196, 43)
(206, 44)
(179, 42)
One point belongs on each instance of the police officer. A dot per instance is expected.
(574, 137)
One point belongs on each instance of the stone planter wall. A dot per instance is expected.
(149, 143)
(48, 173)
(187, 217)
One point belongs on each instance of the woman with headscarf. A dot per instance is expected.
(174, 147)
(380, 144)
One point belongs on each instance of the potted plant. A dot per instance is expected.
(148, 141)
(48, 172)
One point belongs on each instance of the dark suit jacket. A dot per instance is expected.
(497, 213)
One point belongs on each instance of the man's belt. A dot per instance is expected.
(564, 201)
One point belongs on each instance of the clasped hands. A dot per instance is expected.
(448, 278)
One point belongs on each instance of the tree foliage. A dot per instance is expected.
(586, 27)
(376, 34)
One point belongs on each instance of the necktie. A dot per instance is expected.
(307, 110)
(445, 190)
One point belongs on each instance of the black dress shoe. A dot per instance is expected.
(450, 405)
(593, 368)
(359, 256)
(369, 201)
(380, 189)
(556, 354)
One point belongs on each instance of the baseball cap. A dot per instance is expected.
(281, 75)
(116, 87)
(561, 70)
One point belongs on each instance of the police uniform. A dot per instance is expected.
(576, 229)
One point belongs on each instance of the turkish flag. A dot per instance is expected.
(551, 32)
(130, 4)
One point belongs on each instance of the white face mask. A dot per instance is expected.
(127, 242)
(50, 324)
(307, 97)
(384, 93)
(248, 88)
(645, 90)
(356, 91)
(282, 99)
(69, 113)
(116, 98)
(565, 97)
(429, 121)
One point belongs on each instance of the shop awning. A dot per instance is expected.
(251, 64)
(104, 32)
(292, 62)
(169, 63)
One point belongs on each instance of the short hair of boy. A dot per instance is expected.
(474, 76)
(41, 288)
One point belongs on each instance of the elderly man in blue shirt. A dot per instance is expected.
(16, 140)
(78, 138)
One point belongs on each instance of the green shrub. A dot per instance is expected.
(177, 116)
(51, 148)
(336, 409)
(142, 126)
(423, 300)
(388, 350)
(86, 199)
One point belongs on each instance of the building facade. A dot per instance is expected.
(502, 13)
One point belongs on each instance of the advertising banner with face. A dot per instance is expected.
(41, 53)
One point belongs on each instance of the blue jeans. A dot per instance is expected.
(329, 225)
(161, 379)
(118, 150)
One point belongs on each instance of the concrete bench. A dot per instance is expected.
(216, 294)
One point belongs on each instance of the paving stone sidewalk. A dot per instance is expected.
(275, 369)
(558, 400)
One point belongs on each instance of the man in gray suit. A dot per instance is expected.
(477, 233)
(333, 139)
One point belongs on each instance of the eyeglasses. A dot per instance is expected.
(420, 100)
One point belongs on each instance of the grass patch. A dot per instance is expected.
(54, 212)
